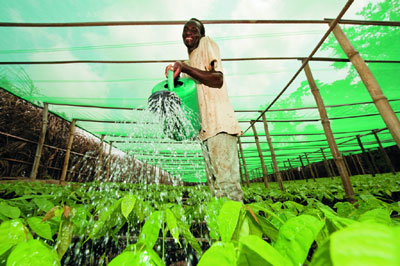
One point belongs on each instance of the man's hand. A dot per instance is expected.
(177, 68)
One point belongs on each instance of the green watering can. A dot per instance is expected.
(176, 101)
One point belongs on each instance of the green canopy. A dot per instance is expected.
(102, 73)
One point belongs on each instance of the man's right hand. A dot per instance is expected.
(177, 68)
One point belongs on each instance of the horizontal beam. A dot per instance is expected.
(182, 22)
(166, 61)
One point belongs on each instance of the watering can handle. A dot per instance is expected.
(170, 80)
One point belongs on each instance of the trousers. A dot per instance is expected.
(222, 166)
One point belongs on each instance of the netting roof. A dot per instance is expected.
(133, 59)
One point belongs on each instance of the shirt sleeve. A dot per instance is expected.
(213, 55)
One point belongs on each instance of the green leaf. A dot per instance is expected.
(9, 211)
(255, 251)
(151, 229)
(11, 233)
(365, 244)
(212, 211)
(42, 229)
(32, 253)
(132, 258)
(228, 219)
(296, 236)
(100, 226)
(376, 216)
(43, 204)
(64, 237)
(172, 225)
(268, 229)
(127, 204)
(188, 236)
(221, 254)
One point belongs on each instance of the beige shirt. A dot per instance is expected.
(216, 111)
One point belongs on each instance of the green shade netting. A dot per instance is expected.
(294, 121)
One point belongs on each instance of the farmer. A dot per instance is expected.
(220, 127)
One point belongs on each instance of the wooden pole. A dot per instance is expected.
(344, 175)
(384, 154)
(264, 169)
(240, 171)
(109, 161)
(372, 159)
(365, 155)
(302, 169)
(331, 166)
(100, 160)
(39, 148)
(68, 151)
(244, 163)
(315, 170)
(380, 100)
(358, 171)
(292, 170)
(273, 156)
(310, 168)
(360, 164)
(326, 164)
(347, 165)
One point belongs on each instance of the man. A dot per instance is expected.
(220, 127)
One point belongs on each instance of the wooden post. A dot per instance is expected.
(109, 161)
(376, 93)
(326, 164)
(314, 165)
(264, 169)
(384, 154)
(240, 171)
(244, 163)
(100, 160)
(358, 172)
(309, 167)
(365, 155)
(273, 156)
(302, 169)
(331, 166)
(372, 159)
(39, 148)
(360, 164)
(68, 152)
(344, 175)
(292, 170)
(347, 165)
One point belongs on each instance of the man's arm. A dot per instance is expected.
(212, 78)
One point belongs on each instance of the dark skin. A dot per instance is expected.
(191, 38)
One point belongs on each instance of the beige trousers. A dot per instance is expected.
(222, 166)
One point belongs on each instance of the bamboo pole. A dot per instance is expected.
(264, 169)
(326, 164)
(360, 164)
(109, 161)
(344, 175)
(68, 152)
(273, 156)
(384, 154)
(244, 163)
(302, 169)
(100, 160)
(376, 93)
(310, 168)
(365, 155)
(39, 148)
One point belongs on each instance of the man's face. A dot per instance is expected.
(191, 35)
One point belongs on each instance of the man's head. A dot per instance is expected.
(193, 31)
